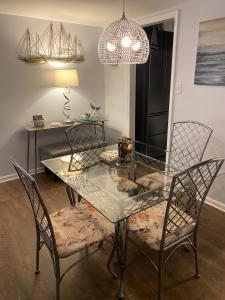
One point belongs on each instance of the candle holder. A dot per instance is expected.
(125, 151)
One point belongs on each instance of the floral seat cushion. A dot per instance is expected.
(153, 180)
(105, 224)
(148, 225)
(75, 230)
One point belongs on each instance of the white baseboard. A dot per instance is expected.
(215, 203)
(15, 176)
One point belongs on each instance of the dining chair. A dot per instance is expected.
(88, 137)
(174, 222)
(188, 144)
(64, 232)
(85, 136)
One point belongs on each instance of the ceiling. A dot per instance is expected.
(90, 12)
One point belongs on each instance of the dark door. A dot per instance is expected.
(153, 90)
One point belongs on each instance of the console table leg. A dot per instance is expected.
(35, 150)
(28, 151)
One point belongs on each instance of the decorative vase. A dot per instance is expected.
(125, 150)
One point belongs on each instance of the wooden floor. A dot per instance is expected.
(90, 280)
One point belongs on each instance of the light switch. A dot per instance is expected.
(179, 87)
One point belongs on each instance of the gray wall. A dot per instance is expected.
(26, 89)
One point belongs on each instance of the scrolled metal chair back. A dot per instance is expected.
(41, 216)
(188, 144)
(187, 195)
(85, 136)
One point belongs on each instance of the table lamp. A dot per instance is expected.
(66, 79)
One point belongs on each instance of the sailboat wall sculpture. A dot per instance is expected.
(51, 46)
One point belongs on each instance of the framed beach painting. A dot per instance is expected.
(210, 61)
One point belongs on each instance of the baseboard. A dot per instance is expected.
(15, 176)
(215, 203)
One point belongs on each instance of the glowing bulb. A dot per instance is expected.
(110, 47)
(56, 63)
(126, 42)
(136, 46)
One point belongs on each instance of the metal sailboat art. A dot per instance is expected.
(29, 49)
(51, 46)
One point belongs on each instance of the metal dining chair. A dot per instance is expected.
(85, 136)
(88, 137)
(174, 223)
(64, 232)
(188, 144)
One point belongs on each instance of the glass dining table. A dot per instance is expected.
(116, 190)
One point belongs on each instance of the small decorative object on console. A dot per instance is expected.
(125, 149)
(38, 121)
(95, 109)
(85, 117)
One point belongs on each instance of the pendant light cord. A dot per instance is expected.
(123, 10)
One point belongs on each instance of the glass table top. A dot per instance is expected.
(117, 191)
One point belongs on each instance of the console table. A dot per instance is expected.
(48, 126)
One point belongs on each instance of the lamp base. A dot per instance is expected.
(68, 121)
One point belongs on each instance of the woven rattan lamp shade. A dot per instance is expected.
(123, 42)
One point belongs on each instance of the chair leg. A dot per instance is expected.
(70, 195)
(57, 277)
(160, 269)
(109, 263)
(37, 271)
(197, 275)
(79, 198)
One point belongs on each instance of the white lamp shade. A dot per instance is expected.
(66, 78)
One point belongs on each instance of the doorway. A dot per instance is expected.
(129, 77)
(153, 82)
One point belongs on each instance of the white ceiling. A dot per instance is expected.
(90, 12)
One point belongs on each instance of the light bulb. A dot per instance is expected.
(110, 47)
(56, 63)
(136, 46)
(126, 41)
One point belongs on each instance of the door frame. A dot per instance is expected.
(131, 76)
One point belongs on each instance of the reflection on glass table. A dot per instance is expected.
(116, 192)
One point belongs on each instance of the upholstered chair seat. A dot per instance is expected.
(153, 180)
(78, 227)
(148, 225)
(107, 226)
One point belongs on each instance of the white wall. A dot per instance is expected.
(26, 89)
(117, 108)
(202, 103)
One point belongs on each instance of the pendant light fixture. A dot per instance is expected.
(123, 42)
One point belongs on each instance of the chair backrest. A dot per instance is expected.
(187, 195)
(41, 216)
(85, 136)
(188, 144)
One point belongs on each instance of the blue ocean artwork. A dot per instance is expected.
(210, 61)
